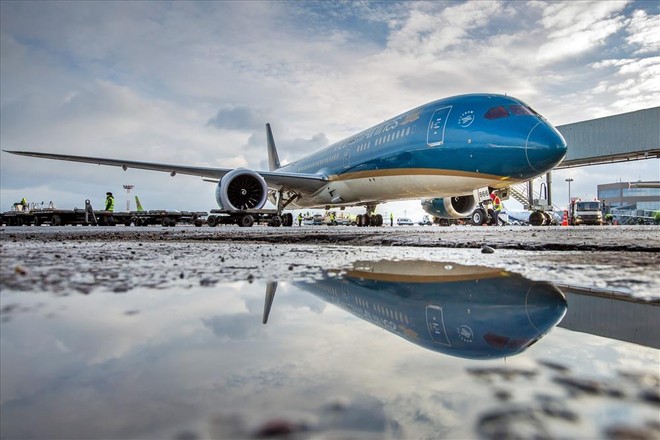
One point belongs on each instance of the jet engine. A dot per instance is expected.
(450, 207)
(241, 189)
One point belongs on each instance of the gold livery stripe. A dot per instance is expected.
(402, 278)
(413, 172)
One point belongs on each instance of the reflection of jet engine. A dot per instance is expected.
(450, 207)
(241, 189)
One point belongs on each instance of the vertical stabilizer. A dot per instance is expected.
(273, 158)
(271, 288)
(138, 205)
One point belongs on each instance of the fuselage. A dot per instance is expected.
(444, 148)
(465, 311)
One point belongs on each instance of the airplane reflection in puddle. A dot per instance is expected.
(465, 311)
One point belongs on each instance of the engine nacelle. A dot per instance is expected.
(241, 189)
(450, 207)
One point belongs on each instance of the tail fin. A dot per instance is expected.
(273, 159)
(138, 205)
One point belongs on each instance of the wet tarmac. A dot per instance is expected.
(341, 332)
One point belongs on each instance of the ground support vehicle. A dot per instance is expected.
(88, 216)
(160, 217)
(426, 221)
(586, 213)
(247, 217)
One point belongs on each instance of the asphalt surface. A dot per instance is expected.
(622, 259)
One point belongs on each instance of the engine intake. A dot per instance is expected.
(450, 207)
(241, 189)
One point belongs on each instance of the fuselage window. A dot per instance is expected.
(496, 113)
(519, 110)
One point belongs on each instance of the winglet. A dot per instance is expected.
(273, 159)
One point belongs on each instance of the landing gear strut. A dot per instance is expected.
(282, 200)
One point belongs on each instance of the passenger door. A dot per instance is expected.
(436, 133)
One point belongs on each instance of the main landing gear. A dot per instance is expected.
(369, 219)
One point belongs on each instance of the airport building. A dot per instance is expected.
(638, 196)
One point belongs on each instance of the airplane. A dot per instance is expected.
(472, 312)
(458, 148)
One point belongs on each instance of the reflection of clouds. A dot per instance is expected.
(94, 372)
(239, 327)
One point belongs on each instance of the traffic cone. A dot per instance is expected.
(564, 221)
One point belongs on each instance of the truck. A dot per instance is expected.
(586, 212)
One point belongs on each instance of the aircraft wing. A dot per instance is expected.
(294, 181)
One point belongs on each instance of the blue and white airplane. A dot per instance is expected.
(471, 312)
(458, 148)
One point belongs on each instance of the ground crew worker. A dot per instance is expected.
(332, 218)
(24, 203)
(497, 207)
(109, 202)
(300, 219)
(391, 219)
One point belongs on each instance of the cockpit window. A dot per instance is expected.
(496, 113)
(517, 109)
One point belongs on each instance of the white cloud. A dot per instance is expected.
(644, 31)
(577, 27)
(143, 80)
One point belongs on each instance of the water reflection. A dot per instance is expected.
(465, 311)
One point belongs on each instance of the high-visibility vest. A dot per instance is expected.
(497, 204)
(109, 203)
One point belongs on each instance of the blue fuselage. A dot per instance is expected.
(444, 148)
(470, 317)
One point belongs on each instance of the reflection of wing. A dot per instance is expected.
(294, 181)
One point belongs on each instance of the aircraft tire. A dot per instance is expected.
(536, 218)
(56, 220)
(379, 220)
(366, 220)
(211, 221)
(358, 220)
(276, 221)
(287, 219)
(547, 219)
(246, 221)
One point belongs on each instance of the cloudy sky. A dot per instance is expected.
(194, 83)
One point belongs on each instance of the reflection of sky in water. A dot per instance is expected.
(154, 363)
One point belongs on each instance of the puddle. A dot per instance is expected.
(383, 349)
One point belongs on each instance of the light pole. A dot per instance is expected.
(128, 189)
(569, 180)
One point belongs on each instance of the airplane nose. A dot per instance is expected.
(545, 306)
(545, 147)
